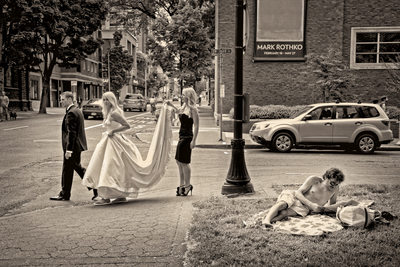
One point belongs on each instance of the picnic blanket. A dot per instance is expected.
(311, 225)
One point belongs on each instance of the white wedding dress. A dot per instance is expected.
(117, 168)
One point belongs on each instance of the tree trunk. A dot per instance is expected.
(45, 94)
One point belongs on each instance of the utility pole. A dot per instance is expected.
(108, 70)
(238, 180)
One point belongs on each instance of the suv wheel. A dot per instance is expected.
(366, 143)
(282, 142)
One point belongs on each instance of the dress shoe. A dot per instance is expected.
(94, 194)
(59, 198)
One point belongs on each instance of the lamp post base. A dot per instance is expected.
(237, 180)
(228, 189)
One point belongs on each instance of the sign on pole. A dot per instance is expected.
(222, 90)
(74, 83)
(221, 51)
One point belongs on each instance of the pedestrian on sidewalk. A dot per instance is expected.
(189, 129)
(73, 143)
(4, 102)
(383, 102)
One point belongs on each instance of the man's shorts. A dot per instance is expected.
(288, 196)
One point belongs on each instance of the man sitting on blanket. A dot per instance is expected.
(315, 195)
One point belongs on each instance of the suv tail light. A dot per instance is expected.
(385, 122)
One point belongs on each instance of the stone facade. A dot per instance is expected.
(328, 25)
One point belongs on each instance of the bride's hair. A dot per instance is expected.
(114, 105)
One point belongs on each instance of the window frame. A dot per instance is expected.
(353, 44)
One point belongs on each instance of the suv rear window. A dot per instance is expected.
(349, 112)
(368, 112)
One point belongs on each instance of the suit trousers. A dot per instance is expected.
(69, 166)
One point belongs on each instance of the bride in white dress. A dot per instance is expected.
(117, 169)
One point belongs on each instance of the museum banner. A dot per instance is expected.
(279, 34)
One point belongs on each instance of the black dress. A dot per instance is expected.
(183, 151)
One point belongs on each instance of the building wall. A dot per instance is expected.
(371, 83)
(328, 25)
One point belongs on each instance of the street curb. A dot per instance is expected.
(254, 146)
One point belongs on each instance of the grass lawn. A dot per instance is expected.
(218, 237)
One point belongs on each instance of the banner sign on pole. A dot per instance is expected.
(280, 30)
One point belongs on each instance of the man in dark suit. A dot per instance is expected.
(73, 143)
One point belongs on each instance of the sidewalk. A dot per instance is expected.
(209, 135)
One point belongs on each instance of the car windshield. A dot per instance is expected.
(133, 97)
(303, 110)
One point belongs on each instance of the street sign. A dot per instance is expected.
(221, 51)
(74, 83)
(105, 80)
(222, 90)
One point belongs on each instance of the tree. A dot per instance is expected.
(120, 65)
(393, 69)
(181, 45)
(156, 80)
(10, 19)
(51, 32)
(333, 76)
(150, 8)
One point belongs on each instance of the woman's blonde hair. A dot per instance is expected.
(114, 105)
(191, 95)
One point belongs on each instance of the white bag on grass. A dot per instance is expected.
(356, 216)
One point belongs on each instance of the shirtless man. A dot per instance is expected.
(315, 195)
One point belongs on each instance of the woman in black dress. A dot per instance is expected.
(189, 119)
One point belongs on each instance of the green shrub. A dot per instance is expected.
(271, 111)
(393, 112)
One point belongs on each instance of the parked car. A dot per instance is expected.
(135, 101)
(360, 126)
(92, 108)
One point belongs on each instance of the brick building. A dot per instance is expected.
(367, 33)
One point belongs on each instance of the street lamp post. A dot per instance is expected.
(238, 179)
(108, 69)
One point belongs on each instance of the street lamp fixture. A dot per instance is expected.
(238, 179)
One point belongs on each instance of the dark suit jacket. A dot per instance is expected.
(73, 131)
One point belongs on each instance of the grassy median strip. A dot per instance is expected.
(218, 236)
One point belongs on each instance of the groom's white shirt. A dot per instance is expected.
(67, 111)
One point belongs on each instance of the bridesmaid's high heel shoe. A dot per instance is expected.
(186, 190)
(179, 190)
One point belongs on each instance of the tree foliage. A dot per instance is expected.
(156, 80)
(50, 32)
(181, 44)
(333, 76)
(120, 64)
(394, 73)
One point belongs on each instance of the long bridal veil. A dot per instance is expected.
(117, 167)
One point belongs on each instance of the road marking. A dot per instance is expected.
(15, 128)
(101, 124)
(45, 141)
(93, 126)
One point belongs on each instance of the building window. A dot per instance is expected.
(374, 48)
(34, 89)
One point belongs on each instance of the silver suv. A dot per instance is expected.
(360, 126)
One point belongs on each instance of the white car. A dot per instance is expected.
(360, 126)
